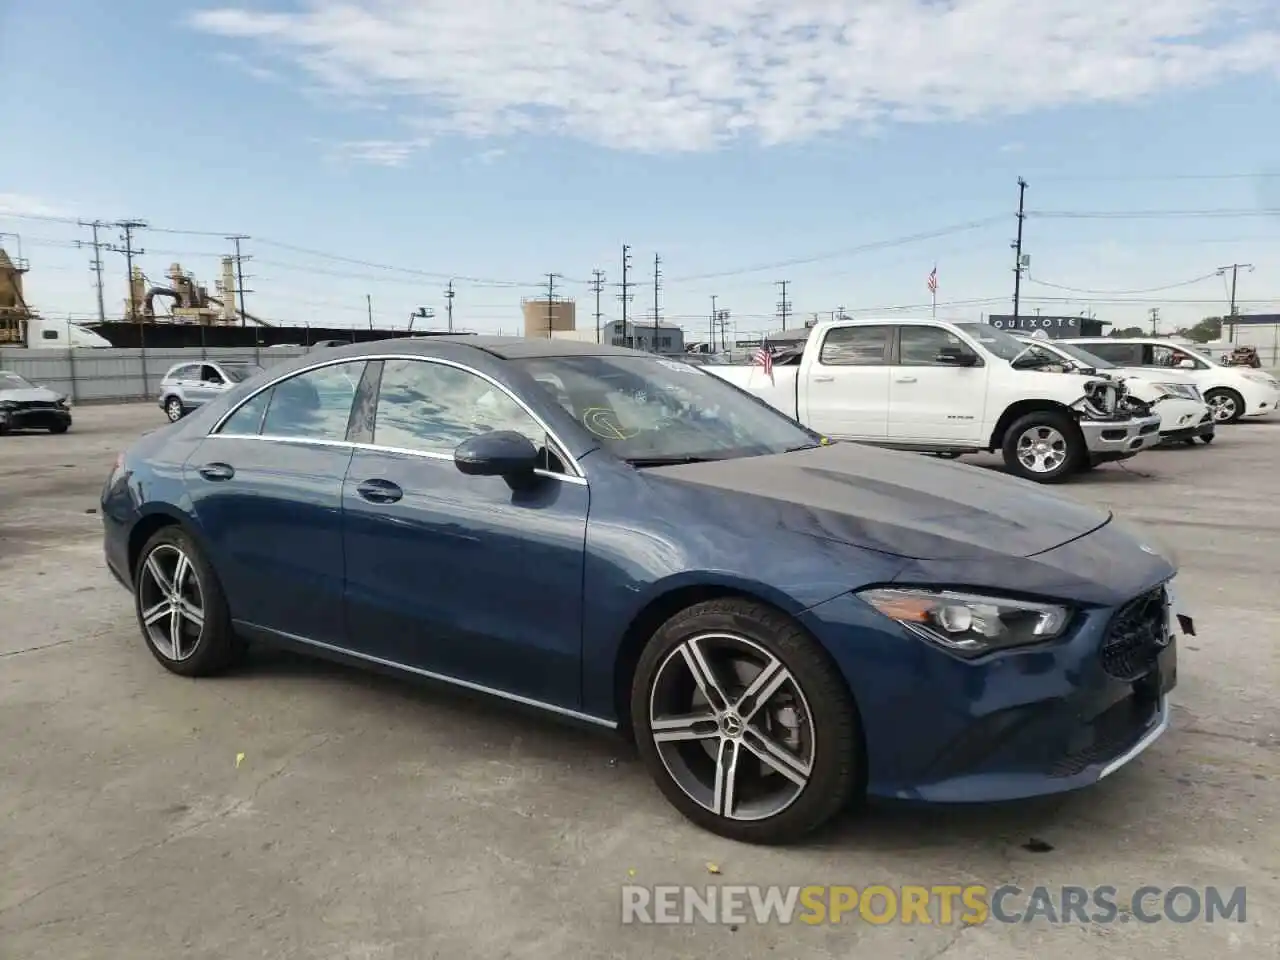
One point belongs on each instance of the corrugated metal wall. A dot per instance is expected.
(116, 374)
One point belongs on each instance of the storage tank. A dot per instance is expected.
(541, 317)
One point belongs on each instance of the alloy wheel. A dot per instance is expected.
(174, 410)
(171, 602)
(1223, 407)
(732, 726)
(1042, 449)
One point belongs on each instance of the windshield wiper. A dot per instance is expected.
(641, 462)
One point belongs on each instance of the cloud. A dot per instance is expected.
(491, 156)
(378, 153)
(651, 76)
(246, 66)
(21, 205)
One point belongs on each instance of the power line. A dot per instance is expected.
(847, 252)
(1150, 214)
(1171, 286)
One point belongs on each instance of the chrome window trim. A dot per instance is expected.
(377, 448)
(562, 449)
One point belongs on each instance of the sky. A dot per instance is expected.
(373, 150)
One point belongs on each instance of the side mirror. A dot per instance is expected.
(956, 357)
(499, 453)
(1186, 363)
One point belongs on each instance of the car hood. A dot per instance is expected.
(29, 394)
(903, 504)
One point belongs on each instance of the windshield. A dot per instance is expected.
(649, 409)
(1003, 345)
(11, 381)
(240, 371)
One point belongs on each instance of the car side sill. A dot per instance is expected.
(428, 675)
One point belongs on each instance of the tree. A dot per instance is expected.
(1127, 332)
(1208, 329)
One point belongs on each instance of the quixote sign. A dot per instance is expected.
(1053, 326)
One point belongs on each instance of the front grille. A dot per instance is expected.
(36, 405)
(1110, 734)
(1135, 636)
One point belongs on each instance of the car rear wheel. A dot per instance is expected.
(1045, 446)
(745, 724)
(173, 409)
(1225, 404)
(181, 608)
(59, 428)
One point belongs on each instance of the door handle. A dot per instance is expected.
(905, 380)
(823, 379)
(379, 491)
(217, 471)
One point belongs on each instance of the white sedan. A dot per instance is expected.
(1184, 414)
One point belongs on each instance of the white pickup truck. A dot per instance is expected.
(950, 389)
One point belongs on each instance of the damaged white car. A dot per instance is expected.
(1184, 414)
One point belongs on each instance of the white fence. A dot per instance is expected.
(97, 374)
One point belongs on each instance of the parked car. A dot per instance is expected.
(1172, 395)
(630, 542)
(1231, 392)
(951, 388)
(190, 385)
(26, 406)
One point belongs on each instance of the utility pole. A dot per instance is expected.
(625, 295)
(551, 298)
(711, 330)
(722, 321)
(1154, 313)
(368, 305)
(96, 264)
(784, 305)
(126, 247)
(240, 290)
(448, 304)
(1235, 269)
(597, 285)
(657, 275)
(1017, 250)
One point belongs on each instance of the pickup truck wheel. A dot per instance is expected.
(1044, 446)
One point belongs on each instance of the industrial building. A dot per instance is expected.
(662, 338)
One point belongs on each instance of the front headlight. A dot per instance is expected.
(967, 624)
(1177, 390)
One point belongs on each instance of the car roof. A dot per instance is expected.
(505, 348)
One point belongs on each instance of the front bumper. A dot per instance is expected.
(1261, 401)
(34, 417)
(1012, 725)
(1204, 428)
(1117, 439)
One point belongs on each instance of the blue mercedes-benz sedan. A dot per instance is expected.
(782, 623)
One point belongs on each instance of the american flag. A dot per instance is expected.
(762, 356)
(933, 280)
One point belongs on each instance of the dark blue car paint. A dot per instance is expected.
(532, 593)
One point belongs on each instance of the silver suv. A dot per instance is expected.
(188, 385)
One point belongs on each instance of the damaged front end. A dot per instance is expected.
(1109, 400)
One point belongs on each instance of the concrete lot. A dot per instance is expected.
(370, 818)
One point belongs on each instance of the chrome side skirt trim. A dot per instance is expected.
(442, 678)
(1151, 737)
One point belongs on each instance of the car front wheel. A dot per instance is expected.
(173, 409)
(1044, 446)
(745, 724)
(180, 606)
(1226, 405)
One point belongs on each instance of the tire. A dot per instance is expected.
(173, 409)
(1058, 447)
(207, 646)
(1207, 440)
(741, 640)
(1226, 405)
(59, 428)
